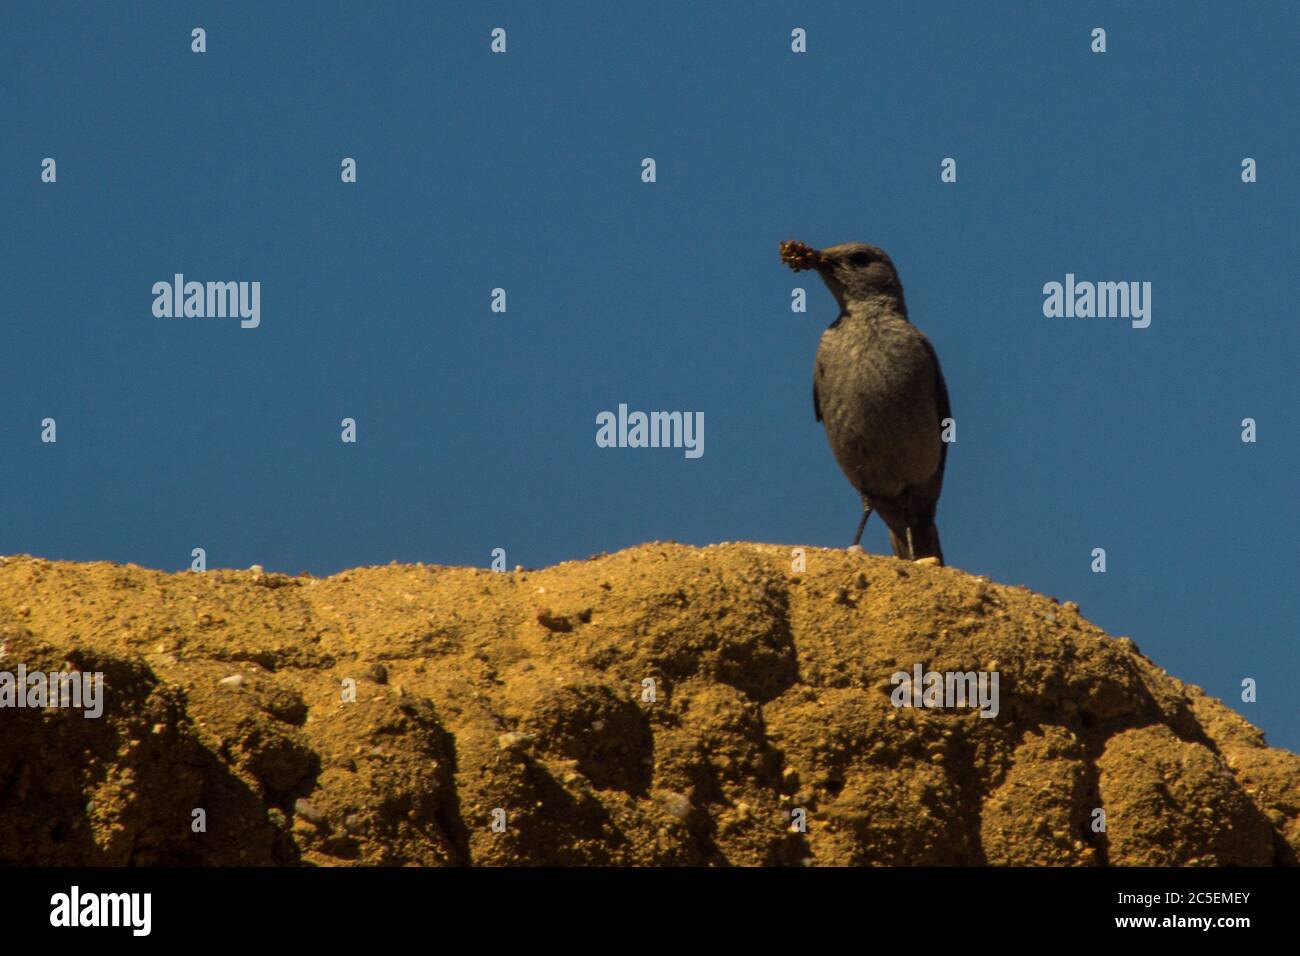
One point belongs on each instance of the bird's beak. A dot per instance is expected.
(799, 256)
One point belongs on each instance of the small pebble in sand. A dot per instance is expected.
(308, 811)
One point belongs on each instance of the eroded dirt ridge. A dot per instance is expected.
(662, 705)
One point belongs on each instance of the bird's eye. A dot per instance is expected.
(860, 259)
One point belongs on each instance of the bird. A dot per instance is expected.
(880, 394)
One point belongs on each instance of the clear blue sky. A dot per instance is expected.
(477, 430)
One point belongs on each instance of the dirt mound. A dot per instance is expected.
(661, 705)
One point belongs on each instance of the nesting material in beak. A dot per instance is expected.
(799, 256)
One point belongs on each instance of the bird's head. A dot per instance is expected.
(852, 271)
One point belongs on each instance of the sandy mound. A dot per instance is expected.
(529, 693)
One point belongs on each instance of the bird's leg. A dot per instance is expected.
(866, 513)
(907, 523)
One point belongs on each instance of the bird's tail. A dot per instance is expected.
(925, 543)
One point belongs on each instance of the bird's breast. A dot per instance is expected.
(877, 390)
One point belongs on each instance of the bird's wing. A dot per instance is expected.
(817, 368)
(940, 402)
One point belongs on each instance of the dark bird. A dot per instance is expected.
(879, 392)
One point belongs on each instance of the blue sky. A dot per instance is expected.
(522, 171)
